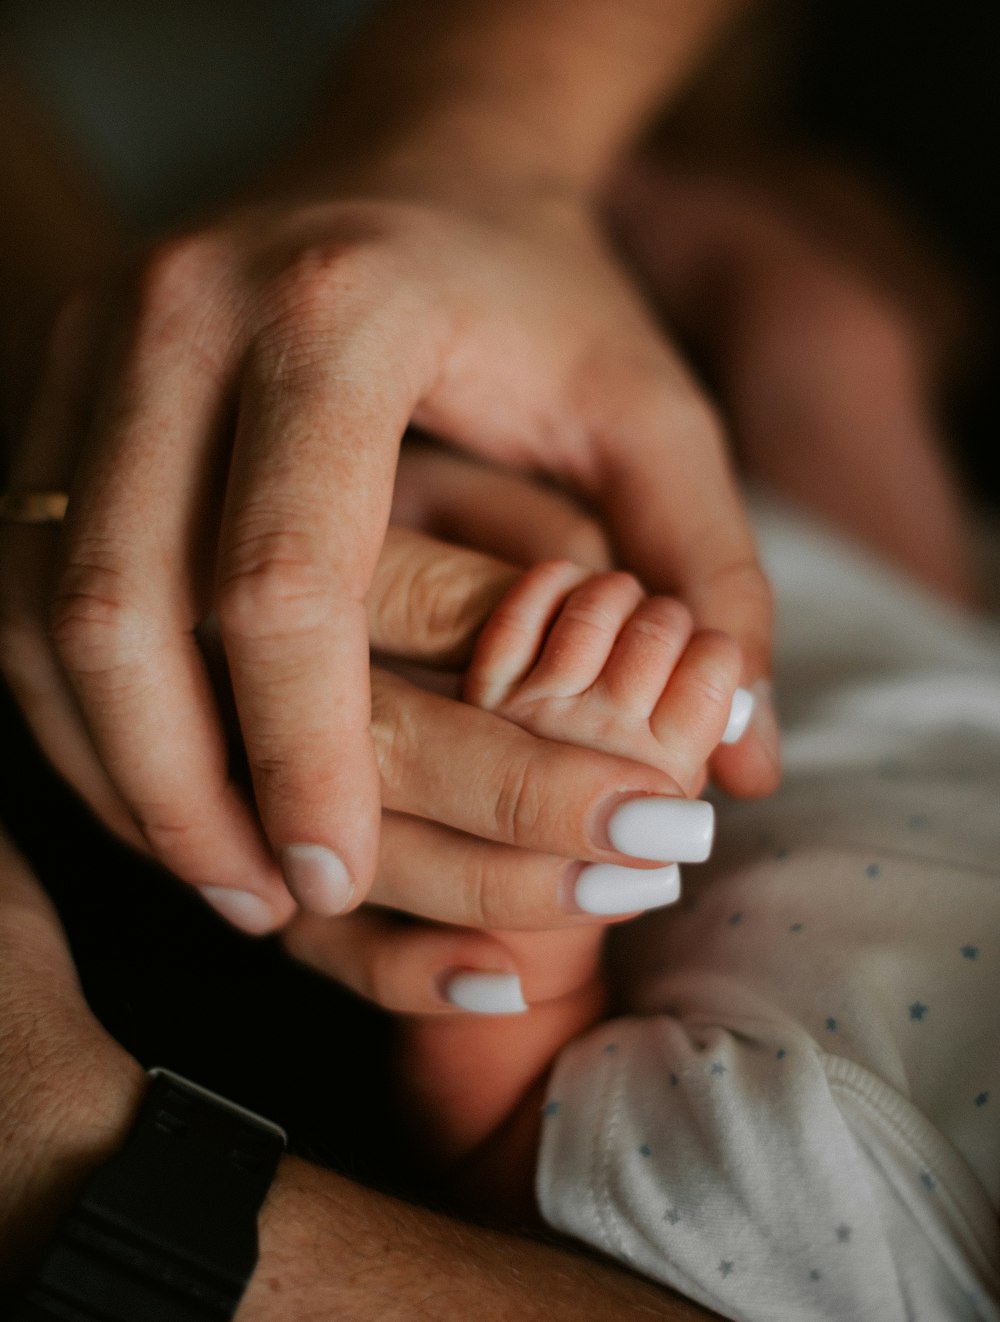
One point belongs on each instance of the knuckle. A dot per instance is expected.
(182, 296)
(164, 828)
(94, 619)
(520, 802)
(487, 897)
(594, 605)
(273, 586)
(663, 618)
(270, 771)
(393, 730)
(433, 603)
(173, 274)
(298, 319)
(711, 686)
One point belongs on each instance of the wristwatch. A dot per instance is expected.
(166, 1231)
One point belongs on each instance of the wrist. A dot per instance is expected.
(468, 158)
(54, 1132)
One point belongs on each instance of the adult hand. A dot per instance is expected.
(235, 448)
(486, 825)
(461, 785)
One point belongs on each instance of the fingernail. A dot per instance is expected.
(317, 878)
(678, 830)
(764, 721)
(486, 993)
(247, 912)
(608, 888)
(739, 717)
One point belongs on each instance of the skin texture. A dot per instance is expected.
(591, 660)
(328, 1248)
(227, 415)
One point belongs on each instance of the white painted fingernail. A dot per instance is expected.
(674, 830)
(739, 717)
(317, 878)
(608, 888)
(486, 993)
(247, 912)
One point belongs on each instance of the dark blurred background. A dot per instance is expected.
(911, 90)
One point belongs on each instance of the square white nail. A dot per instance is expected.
(664, 830)
(486, 993)
(608, 888)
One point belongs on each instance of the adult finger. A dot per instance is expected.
(417, 968)
(306, 509)
(516, 518)
(39, 686)
(27, 560)
(451, 763)
(429, 599)
(131, 592)
(670, 497)
(447, 876)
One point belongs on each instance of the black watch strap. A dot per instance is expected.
(166, 1231)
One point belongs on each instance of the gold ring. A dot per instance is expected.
(33, 506)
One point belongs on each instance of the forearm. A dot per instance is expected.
(330, 1248)
(547, 91)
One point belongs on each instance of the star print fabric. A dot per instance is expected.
(811, 1191)
(798, 1118)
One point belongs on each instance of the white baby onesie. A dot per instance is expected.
(800, 1117)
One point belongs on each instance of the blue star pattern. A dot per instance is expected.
(970, 952)
(726, 1268)
(873, 870)
(918, 821)
(844, 1234)
(550, 1109)
(645, 1150)
(918, 1010)
(982, 1099)
(611, 1048)
(674, 1080)
(781, 1053)
(672, 1215)
(831, 1025)
(815, 1274)
(928, 1180)
(781, 853)
(717, 1068)
(735, 919)
(796, 927)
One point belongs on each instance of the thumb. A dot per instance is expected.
(429, 599)
(670, 498)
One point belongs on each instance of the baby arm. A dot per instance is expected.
(592, 660)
